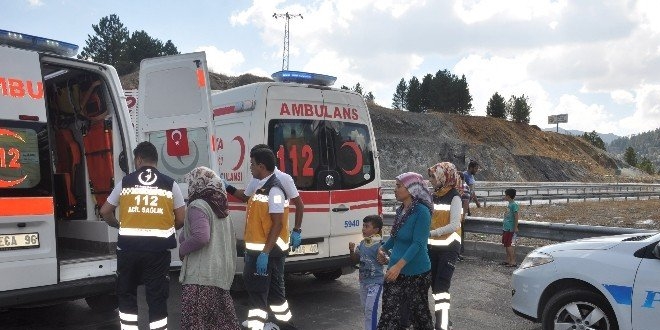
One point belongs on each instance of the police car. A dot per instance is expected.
(597, 283)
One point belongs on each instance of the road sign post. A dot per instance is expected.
(556, 119)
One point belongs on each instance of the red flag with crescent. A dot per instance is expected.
(177, 142)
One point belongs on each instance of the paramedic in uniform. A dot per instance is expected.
(266, 245)
(151, 207)
(445, 237)
(289, 189)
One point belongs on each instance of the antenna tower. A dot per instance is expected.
(285, 55)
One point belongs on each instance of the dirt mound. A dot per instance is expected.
(218, 81)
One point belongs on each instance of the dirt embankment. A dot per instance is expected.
(506, 151)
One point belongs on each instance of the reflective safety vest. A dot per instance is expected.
(146, 211)
(440, 218)
(258, 222)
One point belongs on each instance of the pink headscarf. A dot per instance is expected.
(420, 194)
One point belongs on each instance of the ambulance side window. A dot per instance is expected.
(25, 168)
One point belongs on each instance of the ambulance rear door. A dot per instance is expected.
(351, 167)
(295, 127)
(27, 222)
(174, 103)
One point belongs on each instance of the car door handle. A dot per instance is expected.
(340, 209)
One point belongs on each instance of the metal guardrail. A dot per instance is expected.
(558, 232)
(551, 191)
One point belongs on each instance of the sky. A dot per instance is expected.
(596, 61)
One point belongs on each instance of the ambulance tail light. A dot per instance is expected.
(380, 201)
(26, 41)
(304, 78)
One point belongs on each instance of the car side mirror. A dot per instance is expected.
(656, 251)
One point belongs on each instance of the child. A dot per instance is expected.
(371, 272)
(510, 227)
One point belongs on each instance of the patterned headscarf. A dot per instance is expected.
(420, 195)
(204, 184)
(446, 176)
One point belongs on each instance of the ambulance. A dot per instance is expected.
(322, 137)
(64, 142)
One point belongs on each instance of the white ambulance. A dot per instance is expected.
(64, 141)
(322, 137)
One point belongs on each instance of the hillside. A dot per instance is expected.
(506, 151)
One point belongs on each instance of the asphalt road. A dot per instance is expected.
(481, 295)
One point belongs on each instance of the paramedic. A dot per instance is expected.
(289, 189)
(151, 207)
(266, 245)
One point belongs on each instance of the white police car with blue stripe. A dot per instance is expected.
(597, 283)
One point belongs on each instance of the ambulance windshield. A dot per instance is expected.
(323, 155)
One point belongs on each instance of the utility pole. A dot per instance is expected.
(285, 55)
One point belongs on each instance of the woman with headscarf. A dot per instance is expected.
(408, 277)
(445, 236)
(208, 250)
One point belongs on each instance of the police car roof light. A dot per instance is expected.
(304, 78)
(26, 41)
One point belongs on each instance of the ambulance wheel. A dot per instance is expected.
(102, 303)
(328, 275)
(578, 309)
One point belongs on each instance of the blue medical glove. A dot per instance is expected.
(262, 264)
(295, 239)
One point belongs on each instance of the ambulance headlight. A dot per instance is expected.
(536, 259)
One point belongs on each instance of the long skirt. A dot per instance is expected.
(405, 303)
(207, 307)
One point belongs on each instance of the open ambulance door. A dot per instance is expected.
(175, 114)
(27, 220)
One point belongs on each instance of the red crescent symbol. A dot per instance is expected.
(7, 184)
(358, 160)
(7, 132)
(176, 131)
(242, 156)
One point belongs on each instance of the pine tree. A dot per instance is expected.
(107, 44)
(399, 98)
(496, 106)
(518, 109)
(413, 98)
(630, 156)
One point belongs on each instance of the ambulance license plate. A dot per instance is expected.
(305, 249)
(19, 241)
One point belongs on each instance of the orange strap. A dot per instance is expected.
(26, 206)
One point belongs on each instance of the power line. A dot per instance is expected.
(285, 55)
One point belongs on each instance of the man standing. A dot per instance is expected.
(151, 208)
(468, 176)
(290, 190)
(266, 245)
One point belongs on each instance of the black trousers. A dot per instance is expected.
(152, 270)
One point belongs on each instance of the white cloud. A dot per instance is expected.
(647, 111)
(584, 117)
(35, 3)
(474, 11)
(622, 97)
(225, 62)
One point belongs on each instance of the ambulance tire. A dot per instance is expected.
(102, 303)
(328, 275)
(586, 301)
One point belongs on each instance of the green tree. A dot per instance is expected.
(344, 87)
(518, 109)
(496, 106)
(399, 98)
(413, 98)
(425, 91)
(461, 98)
(630, 156)
(140, 46)
(369, 98)
(646, 166)
(594, 139)
(107, 45)
(358, 88)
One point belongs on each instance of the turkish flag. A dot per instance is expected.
(177, 142)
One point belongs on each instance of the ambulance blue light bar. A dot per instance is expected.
(304, 78)
(26, 41)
